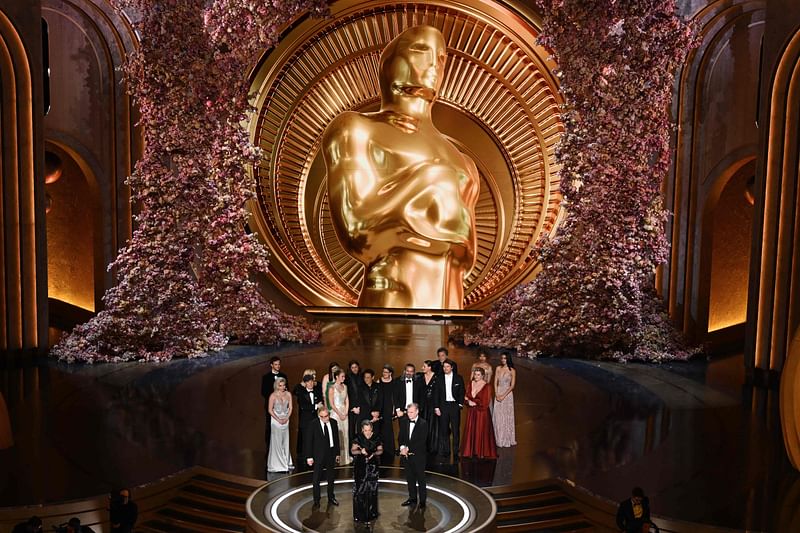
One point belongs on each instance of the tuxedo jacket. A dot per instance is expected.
(306, 410)
(354, 383)
(439, 371)
(418, 443)
(400, 392)
(458, 390)
(315, 445)
(268, 383)
(370, 399)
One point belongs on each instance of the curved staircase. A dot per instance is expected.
(203, 503)
(545, 506)
(201, 500)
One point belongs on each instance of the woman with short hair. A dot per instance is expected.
(366, 450)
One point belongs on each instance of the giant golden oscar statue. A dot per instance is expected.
(402, 196)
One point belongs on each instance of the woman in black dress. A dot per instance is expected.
(366, 450)
(384, 427)
(428, 405)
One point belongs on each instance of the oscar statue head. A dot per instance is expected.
(412, 66)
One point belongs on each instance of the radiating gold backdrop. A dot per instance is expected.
(499, 103)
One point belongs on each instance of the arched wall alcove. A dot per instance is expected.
(73, 250)
(93, 120)
(716, 110)
(726, 254)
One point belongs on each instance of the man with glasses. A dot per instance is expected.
(322, 452)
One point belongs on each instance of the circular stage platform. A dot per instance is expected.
(453, 506)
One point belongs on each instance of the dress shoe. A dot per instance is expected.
(422, 506)
(333, 501)
(316, 504)
(408, 502)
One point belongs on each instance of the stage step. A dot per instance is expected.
(540, 506)
(200, 503)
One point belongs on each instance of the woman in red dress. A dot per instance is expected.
(478, 438)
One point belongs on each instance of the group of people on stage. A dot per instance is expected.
(349, 417)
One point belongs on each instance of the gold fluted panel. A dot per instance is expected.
(498, 103)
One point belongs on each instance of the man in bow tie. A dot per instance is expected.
(268, 387)
(449, 401)
(413, 452)
(309, 400)
(407, 389)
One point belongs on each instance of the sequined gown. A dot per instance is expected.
(504, 414)
(365, 473)
(339, 401)
(280, 458)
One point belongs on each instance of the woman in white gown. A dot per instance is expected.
(340, 406)
(280, 409)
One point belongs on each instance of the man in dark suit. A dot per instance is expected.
(441, 357)
(407, 390)
(633, 514)
(322, 452)
(309, 400)
(450, 400)
(267, 388)
(414, 449)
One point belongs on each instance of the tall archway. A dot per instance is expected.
(774, 310)
(92, 117)
(22, 293)
(716, 132)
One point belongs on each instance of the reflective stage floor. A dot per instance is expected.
(703, 446)
(453, 506)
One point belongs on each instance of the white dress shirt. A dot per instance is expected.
(411, 425)
(330, 431)
(409, 392)
(448, 387)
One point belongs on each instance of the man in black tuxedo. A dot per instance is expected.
(414, 449)
(267, 388)
(450, 400)
(441, 357)
(309, 400)
(322, 451)
(407, 390)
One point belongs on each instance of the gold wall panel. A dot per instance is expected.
(499, 104)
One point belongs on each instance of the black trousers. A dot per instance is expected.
(302, 423)
(387, 436)
(450, 421)
(415, 477)
(328, 463)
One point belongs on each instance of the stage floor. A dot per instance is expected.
(453, 506)
(703, 446)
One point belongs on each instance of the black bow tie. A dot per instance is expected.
(413, 421)
(408, 380)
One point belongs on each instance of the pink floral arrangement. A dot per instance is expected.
(595, 294)
(186, 282)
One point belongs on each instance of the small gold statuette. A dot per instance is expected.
(402, 196)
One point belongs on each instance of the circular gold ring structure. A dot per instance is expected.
(499, 104)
